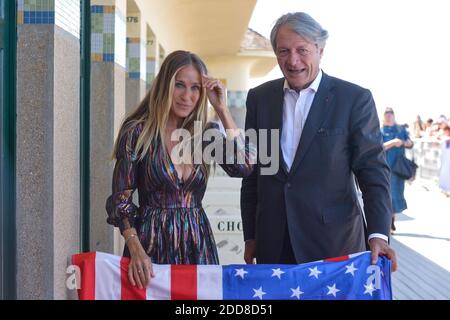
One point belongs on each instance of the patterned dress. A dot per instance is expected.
(172, 226)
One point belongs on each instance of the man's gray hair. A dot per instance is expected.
(302, 24)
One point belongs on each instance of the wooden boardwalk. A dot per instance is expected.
(422, 242)
(418, 278)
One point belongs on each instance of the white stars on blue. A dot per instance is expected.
(353, 278)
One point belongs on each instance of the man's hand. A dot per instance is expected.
(380, 247)
(250, 251)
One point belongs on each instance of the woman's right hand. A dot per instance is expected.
(398, 142)
(140, 269)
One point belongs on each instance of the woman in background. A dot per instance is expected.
(418, 127)
(396, 139)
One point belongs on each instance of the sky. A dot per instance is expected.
(399, 49)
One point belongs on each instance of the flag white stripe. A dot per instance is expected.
(209, 282)
(107, 277)
(159, 287)
(357, 254)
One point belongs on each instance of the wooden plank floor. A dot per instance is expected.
(418, 278)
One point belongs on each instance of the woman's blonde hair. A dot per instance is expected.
(153, 111)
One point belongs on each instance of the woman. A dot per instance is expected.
(395, 139)
(444, 175)
(418, 127)
(170, 225)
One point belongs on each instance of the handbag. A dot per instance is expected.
(404, 168)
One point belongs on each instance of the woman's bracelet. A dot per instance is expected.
(131, 236)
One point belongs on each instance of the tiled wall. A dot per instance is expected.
(136, 47)
(143, 59)
(151, 65)
(237, 98)
(107, 25)
(102, 33)
(35, 11)
(63, 13)
(162, 54)
(151, 57)
(133, 58)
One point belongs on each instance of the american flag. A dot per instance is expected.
(102, 276)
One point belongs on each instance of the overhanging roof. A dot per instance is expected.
(206, 27)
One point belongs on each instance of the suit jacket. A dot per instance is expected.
(316, 200)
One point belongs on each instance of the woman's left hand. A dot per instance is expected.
(215, 91)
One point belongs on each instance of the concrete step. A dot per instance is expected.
(224, 183)
(214, 210)
(230, 248)
(221, 199)
(231, 225)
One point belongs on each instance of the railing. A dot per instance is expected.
(427, 154)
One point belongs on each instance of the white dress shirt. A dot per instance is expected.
(296, 108)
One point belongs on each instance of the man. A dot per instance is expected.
(330, 134)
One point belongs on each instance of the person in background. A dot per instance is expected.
(428, 127)
(444, 176)
(418, 127)
(396, 139)
(442, 124)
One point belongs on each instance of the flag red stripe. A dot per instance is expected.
(336, 259)
(183, 281)
(128, 292)
(86, 263)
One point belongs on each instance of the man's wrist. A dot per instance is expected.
(378, 236)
